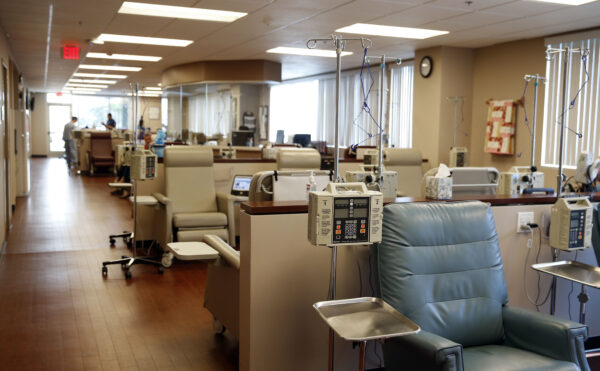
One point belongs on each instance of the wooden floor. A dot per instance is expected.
(57, 312)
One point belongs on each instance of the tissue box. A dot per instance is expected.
(438, 188)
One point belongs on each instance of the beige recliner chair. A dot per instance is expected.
(298, 159)
(192, 209)
(407, 162)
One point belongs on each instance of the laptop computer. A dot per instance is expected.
(241, 185)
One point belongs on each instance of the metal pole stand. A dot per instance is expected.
(583, 298)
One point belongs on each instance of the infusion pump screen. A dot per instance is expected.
(577, 230)
(351, 220)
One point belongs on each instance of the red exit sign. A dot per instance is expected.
(70, 52)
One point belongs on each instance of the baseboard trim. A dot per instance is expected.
(39, 156)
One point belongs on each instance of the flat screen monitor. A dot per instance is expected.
(302, 139)
(241, 137)
(241, 185)
(280, 137)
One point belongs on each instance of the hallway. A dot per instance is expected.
(57, 312)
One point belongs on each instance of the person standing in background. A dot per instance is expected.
(110, 123)
(70, 147)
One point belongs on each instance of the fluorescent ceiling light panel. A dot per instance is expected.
(152, 88)
(109, 82)
(567, 2)
(101, 75)
(146, 94)
(391, 31)
(181, 12)
(306, 52)
(78, 92)
(79, 89)
(125, 57)
(108, 68)
(75, 85)
(107, 37)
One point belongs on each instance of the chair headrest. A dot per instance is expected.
(402, 157)
(188, 156)
(300, 158)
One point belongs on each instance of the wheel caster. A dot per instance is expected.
(167, 260)
(161, 270)
(128, 274)
(104, 271)
(112, 241)
(218, 327)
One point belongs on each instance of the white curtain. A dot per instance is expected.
(211, 113)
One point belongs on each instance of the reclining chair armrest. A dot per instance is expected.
(165, 231)
(544, 334)
(226, 252)
(226, 205)
(423, 351)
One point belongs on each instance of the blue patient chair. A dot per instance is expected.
(440, 265)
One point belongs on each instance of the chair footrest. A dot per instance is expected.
(120, 185)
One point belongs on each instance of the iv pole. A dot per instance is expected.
(456, 100)
(566, 71)
(340, 43)
(537, 78)
(382, 89)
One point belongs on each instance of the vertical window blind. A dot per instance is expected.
(401, 103)
(309, 107)
(583, 117)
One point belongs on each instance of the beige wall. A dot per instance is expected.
(433, 115)
(145, 104)
(498, 73)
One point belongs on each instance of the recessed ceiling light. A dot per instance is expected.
(80, 89)
(146, 94)
(306, 51)
(108, 68)
(78, 92)
(75, 85)
(109, 82)
(152, 88)
(391, 31)
(140, 40)
(101, 75)
(181, 12)
(125, 57)
(567, 2)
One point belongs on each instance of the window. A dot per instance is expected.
(308, 107)
(583, 117)
(401, 102)
(210, 113)
(294, 109)
(92, 110)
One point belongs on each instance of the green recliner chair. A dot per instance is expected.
(440, 265)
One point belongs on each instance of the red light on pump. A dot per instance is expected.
(59, 94)
(70, 52)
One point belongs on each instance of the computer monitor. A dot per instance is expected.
(280, 137)
(302, 139)
(241, 185)
(241, 137)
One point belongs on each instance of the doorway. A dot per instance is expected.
(5, 159)
(58, 116)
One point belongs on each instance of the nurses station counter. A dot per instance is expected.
(282, 275)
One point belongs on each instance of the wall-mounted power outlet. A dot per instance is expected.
(522, 219)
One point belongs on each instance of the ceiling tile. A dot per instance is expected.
(418, 16)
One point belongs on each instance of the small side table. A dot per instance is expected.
(574, 271)
(363, 319)
(188, 251)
